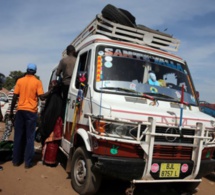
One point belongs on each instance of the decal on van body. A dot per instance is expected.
(145, 57)
(99, 69)
(114, 150)
(133, 86)
(153, 89)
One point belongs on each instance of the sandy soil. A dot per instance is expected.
(45, 180)
(40, 179)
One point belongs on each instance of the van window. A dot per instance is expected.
(53, 77)
(121, 71)
(83, 65)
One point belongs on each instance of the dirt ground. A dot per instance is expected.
(40, 179)
(45, 180)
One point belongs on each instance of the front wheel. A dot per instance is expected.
(83, 179)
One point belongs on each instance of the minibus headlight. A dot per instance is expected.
(119, 130)
(110, 128)
(212, 135)
(116, 129)
(213, 123)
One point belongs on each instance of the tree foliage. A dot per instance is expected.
(12, 78)
(2, 80)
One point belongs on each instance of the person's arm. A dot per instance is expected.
(45, 95)
(58, 72)
(13, 103)
(40, 93)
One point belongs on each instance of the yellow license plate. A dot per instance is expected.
(169, 170)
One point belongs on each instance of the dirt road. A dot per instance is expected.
(44, 180)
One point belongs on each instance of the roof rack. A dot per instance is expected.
(138, 35)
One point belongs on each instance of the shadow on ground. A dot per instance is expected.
(211, 176)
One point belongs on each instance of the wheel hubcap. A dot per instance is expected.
(80, 171)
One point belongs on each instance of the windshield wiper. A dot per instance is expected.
(159, 95)
(148, 96)
(120, 89)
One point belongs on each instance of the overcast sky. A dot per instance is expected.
(37, 31)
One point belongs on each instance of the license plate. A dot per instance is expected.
(169, 170)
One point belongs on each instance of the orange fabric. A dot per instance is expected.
(28, 88)
(50, 148)
(56, 134)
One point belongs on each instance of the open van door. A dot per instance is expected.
(73, 110)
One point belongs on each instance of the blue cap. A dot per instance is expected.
(32, 68)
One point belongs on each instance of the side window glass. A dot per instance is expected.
(53, 76)
(83, 66)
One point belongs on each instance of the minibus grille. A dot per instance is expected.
(169, 130)
(172, 152)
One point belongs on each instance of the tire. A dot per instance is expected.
(112, 13)
(129, 15)
(84, 181)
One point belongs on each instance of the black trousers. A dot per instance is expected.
(65, 90)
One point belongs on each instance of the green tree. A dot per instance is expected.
(2, 80)
(12, 78)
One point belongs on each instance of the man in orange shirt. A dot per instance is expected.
(27, 91)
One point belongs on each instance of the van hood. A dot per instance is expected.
(165, 113)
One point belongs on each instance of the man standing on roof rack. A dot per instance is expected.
(65, 67)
